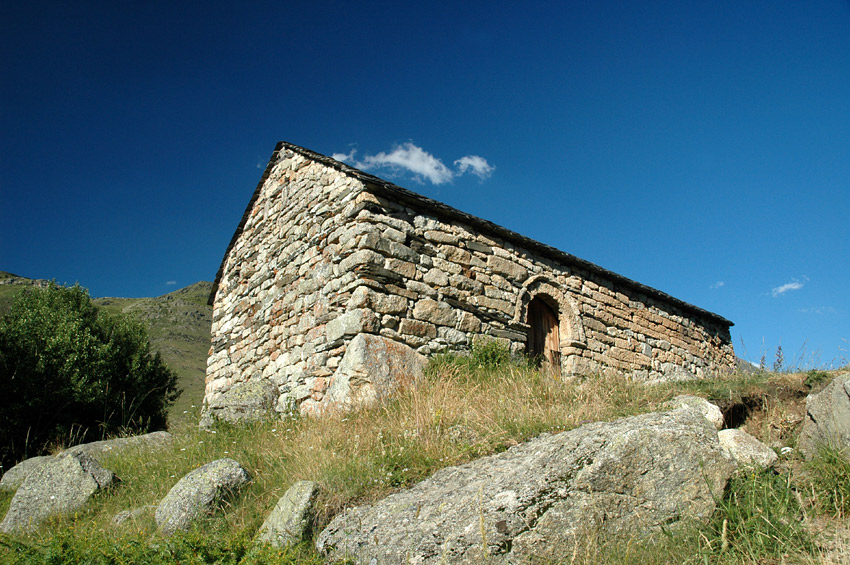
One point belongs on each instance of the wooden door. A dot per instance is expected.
(543, 340)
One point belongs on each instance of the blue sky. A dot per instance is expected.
(702, 148)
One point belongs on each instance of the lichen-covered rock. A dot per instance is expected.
(373, 368)
(59, 486)
(535, 500)
(827, 417)
(199, 492)
(15, 477)
(291, 519)
(148, 442)
(745, 449)
(710, 411)
(250, 401)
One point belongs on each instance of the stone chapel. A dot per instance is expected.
(329, 262)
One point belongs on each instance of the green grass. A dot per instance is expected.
(75, 544)
(758, 519)
(453, 417)
(829, 471)
(815, 378)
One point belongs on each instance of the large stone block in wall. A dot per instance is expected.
(507, 268)
(351, 323)
(363, 297)
(372, 368)
(244, 402)
(438, 313)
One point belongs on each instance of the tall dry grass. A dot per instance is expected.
(454, 416)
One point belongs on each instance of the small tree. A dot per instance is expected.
(69, 371)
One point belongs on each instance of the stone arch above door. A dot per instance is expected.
(571, 329)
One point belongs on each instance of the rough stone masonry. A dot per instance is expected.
(326, 252)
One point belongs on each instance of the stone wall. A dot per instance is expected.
(326, 252)
(459, 283)
(281, 288)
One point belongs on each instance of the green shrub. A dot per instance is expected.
(484, 356)
(815, 377)
(489, 354)
(72, 373)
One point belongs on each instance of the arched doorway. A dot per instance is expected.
(543, 336)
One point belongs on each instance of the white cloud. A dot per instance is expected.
(411, 158)
(344, 156)
(478, 166)
(789, 286)
(170, 283)
(718, 284)
(820, 310)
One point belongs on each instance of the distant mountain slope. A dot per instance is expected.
(178, 325)
(11, 285)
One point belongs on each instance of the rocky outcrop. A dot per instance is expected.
(827, 417)
(14, 477)
(711, 411)
(198, 492)
(291, 519)
(745, 449)
(537, 499)
(372, 369)
(55, 487)
(147, 442)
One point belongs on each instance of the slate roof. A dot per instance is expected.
(386, 189)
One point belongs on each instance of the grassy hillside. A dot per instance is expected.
(795, 514)
(178, 325)
(179, 329)
(11, 285)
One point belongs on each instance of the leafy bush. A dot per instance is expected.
(71, 372)
(485, 356)
(490, 354)
(815, 377)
